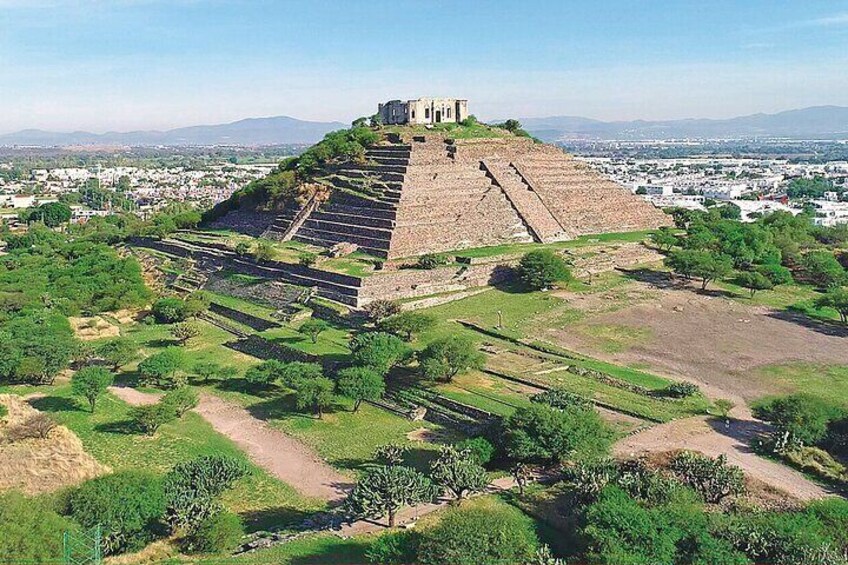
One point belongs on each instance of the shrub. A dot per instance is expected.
(30, 532)
(149, 418)
(540, 269)
(263, 251)
(307, 259)
(181, 400)
(559, 398)
(447, 357)
(390, 454)
(313, 327)
(192, 489)
(91, 383)
(220, 533)
(432, 260)
(650, 486)
(381, 308)
(407, 324)
(385, 490)
(754, 281)
(127, 504)
(379, 351)
(184, 331)
(589, 478)
(681, 390)
(170, 310)
(394, 548)
(37, 426)
(799, 419)
(479, 448)
(265, 373)
(458, 472)
(713, 479)
(479, 536)
(160, 369)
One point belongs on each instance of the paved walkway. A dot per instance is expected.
(281, 455)
(713, 438)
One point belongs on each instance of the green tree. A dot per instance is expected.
(314, 393)
(184, 331)
(385, 490)
(193, 488)
(822, 268)
(777, 274)
(118, 352)
(127, 504)
(52, 214)
(458, 472)
(705, 265)
(360, 383)
(798, 418)
(539, 433)
(712, 478)
(296, 372)
(836, 298)
(266, 373)
(148, 418)
(379, 351)
(313, 327)
(446, 357)
(664, 238)
(209, 371)
(543, 268)
(754, 281)
(181, 400)
(479, 448)
(91, 383)
(479, 536)
(407, 324)
(170, 310)
(381, 308)
(30, 532)
(160, 368)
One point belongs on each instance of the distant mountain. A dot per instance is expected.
(278, 130)
(819, 122)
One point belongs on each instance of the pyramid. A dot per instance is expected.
(419, 194)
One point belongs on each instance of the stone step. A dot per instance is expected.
(330, 241)
(338, 237)
(358, 230)
(385, 160)
(355, 219)
(335, 207)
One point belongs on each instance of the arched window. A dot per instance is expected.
(426, 113)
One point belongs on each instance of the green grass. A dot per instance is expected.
(319, 549)
(583, 240)
(456, 131)
(612, 338)
(262, 500)
(828, 382)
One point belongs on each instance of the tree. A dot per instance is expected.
(265, 373)
(209, 370)
(836, 298)
(480, 449)
(360, 383)
(705, 265)
(542, 268)
(445, 358)
(385, 490)
(52, 214)
(799, 419)
(118, 352)
(170, 310)
(407, 324)
(181, 400)
(777, 274)
(160, 368)
(184, 332)
(126, 504)
(90, 383)
(664, 238)
(754, 281)
(148, 418)
(313, 328)
(192, 489)
(479, 535)
(381, 308)
(539, 433)
(822, 268)
(298, 371)
(458, 472)
(30, 530)
(723, 407)
(314, 393)
(379, 351)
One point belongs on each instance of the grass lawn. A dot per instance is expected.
(828, 382)
(583, 240)
(261, 500)
(611, 338)
(319, 549)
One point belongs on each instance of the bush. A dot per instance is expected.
(379, 351)
(184, 331)
(394, 548)
(313, 327)
(540, 269)
(181, 400)
(799, 419)
(559, 398)
(479, 536)
(458, 472)
(265, 373)
(170, 310)
(713, 479)
(149, 418)
(127, 504)
(160, 369)
(446, 357)
(307, 259)
(432, 260)
(381, 308)
(192, 489)
(37, 426)
(681, 390)
(407, 324)
(390, 454)
(479, 448)
(221, 533)
(30, 532)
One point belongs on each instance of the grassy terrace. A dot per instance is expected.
(456, 131)
(582, 241)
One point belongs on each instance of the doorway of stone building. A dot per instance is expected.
(438, 116)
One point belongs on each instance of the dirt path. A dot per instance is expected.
(281, 455)
(714, 438)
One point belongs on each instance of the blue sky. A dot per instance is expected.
(140, 64)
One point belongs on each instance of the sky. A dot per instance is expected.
(118, 65)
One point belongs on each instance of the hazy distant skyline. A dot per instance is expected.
(103, 65)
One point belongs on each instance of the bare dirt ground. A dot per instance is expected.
(88, 329)
(711, 340)
(715, 438)
(38, 465)
(281, 455)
